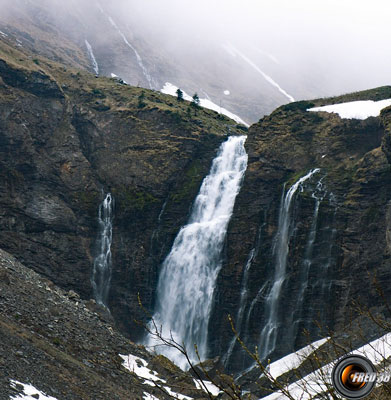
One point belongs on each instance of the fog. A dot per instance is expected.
(349, 38)
(313, 48)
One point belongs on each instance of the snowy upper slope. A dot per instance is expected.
(355, 109)
(171, 89)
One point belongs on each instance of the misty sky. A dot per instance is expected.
(351, 37)
(346, 41)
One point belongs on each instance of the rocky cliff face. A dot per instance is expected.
(67, 138)
(344, 243)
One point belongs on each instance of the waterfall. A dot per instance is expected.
(92, 57)
(269, 332)
(101, 273)
(242, 305)
(243, 297)
(138, 57)
(188, 275)
(318, 195)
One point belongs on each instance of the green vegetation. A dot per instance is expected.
(98, 93)
(87, 201)
(179, 94)
(191, 183)
(141, 100)
(196, 101)
(376, 94)
(130, 199)
(297, 106)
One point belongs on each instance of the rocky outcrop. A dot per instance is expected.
(59, 155)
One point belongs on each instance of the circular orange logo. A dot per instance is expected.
(354, 377)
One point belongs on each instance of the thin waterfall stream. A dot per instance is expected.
(269, 333)
(188, 275)
(101, 273)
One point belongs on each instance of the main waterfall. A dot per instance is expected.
(101, 273)
(188, 274)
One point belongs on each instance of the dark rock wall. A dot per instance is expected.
(351, 247)
(67, 139)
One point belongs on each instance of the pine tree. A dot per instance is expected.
(179, 94)
(141, 102)
(196, 100)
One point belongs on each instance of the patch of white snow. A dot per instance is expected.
(213, 389)
(227, 92)
(355, 109)
(139, 366)
(28, 392)
(293, 360)
(148, 396)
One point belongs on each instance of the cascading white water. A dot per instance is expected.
(318, 195)
(101, 273)
(92, 57)
(269, 332)
(188, 274)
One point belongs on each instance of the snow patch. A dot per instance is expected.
(171, 89)
(139, 366)
(28, 392)
(148, 396)
(293, 360)
(227, 92)
(316, 382)
(265, 76)
(355, 109)
(209, 385)
(3, 34)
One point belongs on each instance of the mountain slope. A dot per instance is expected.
(67, 138)
(57, 343)
(242, 79)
